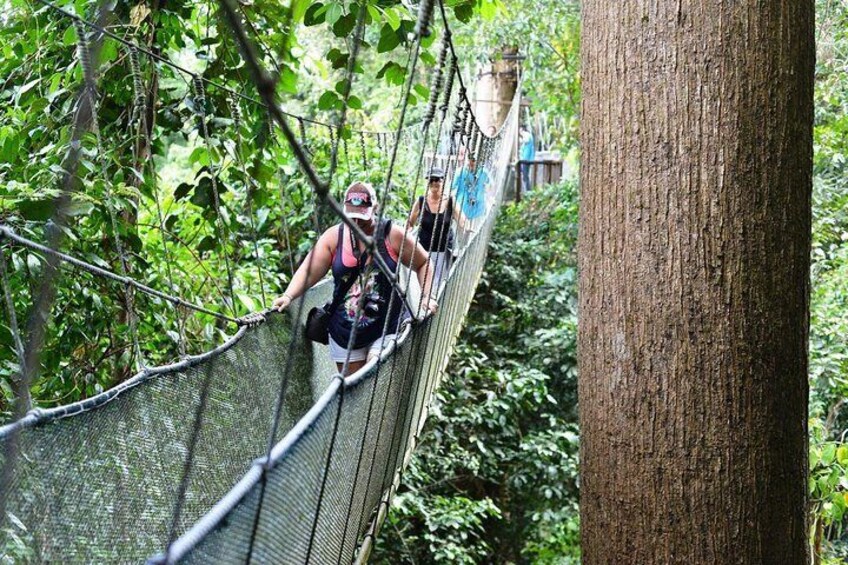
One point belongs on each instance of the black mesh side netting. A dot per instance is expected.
(101, 485)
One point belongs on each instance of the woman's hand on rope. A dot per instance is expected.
(282, 302)
(432, 306)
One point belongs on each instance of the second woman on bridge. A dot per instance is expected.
(436, 235)
(364, 298)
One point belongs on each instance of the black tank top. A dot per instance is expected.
(435, 233)
(382, 304)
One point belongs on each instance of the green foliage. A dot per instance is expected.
(502, 433)
(829, 298)
(828, 490)
(452, 527)
(547, 33)
(18, 544)
(829, 304)
(158, 202)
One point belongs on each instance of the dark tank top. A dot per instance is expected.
(381, 304)
(435, 233)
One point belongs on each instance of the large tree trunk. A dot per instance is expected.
(694, 256)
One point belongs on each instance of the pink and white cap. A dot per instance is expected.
(360, 201)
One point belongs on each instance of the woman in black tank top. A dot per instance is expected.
(436, 210)
(393, 244)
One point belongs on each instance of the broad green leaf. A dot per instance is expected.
(334, 12)
(373, 12)
(247, 301)
(79, 208)
(344, 25)
(421, 90)
(828, 454)
(842, 455)
(179, 193)
(200, 156)
(341, 62)
(328, 100)
(134, 242)
(10, 147)
(33, 263)
(36, 210)
(393, 72)
(70, 36)
(334, 54)
(28, 86)
(428, 40)
(389, 39)
(354, 102)
(488, 9)
(288, 80)
(109, 51)
(315, 14)
(382, 72)
(299, 8)
(464, 12)
(343, 86)
(208, 243)
(55, 83)
(392, 17)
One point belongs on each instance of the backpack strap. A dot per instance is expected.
(348, 284)
(343, 288)
(338, 246)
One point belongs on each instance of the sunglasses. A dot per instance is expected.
(358, 202)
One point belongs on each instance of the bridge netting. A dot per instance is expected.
(258, 450)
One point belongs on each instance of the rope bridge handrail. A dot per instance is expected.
(8, 233)
(150, 464)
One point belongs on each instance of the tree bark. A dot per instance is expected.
(694, 280)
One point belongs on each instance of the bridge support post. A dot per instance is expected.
(496, 89)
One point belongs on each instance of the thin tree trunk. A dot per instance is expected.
(694, 256)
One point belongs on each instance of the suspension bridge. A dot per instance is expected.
(259, 450)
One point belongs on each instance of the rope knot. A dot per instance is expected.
(82, 48)
(235, 112)
(449, 87)
(139, 100)
(438, 81)
(425, 16)
(199, 95)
